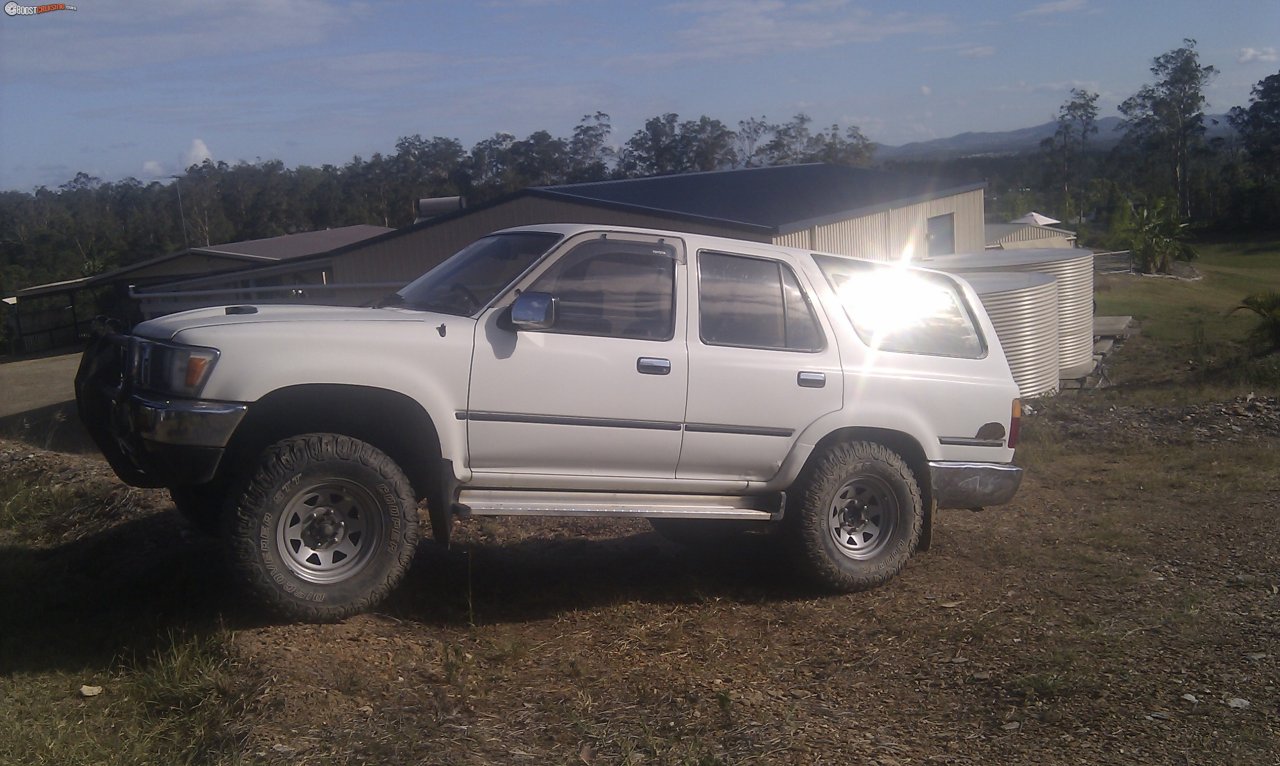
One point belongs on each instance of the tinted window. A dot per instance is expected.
(616, 289)
(904, 310)
(753, 302)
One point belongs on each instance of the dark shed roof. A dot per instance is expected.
(297, 245)
(236, 254)
(784, 198)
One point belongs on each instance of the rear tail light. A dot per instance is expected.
(1015, 423)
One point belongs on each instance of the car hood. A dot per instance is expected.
(166, 327)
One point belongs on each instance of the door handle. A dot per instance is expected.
(812, 380)
(652, 365)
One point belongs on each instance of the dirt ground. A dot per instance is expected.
(1124, 609)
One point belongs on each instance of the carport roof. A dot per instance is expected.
(296, 245)
(269, 250)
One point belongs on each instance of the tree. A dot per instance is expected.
(831, 146)
(706, 144)
(1166, 118)
(489, 167)
(539, 160)
(794, 143)
(791, 142)
(749, 140)
(654, 149)
(590, 155)
(1066, 148)
(1259, 127)
(665, 145)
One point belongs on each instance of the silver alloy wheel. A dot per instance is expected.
(862, 517)
(329, 530)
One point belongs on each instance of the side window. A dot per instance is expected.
(753, 302)
(613, 289)
(904, 310)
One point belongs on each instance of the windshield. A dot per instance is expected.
(472, 277)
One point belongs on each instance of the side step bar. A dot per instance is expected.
(480, 502)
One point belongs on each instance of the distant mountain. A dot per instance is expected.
(1020, 141)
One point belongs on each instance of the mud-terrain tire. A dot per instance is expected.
(201, 506)
(325, 528)
(856, 517)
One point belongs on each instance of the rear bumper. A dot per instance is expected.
(150, 441)
(973, 485)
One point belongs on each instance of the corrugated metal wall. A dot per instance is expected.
(404, 258)
(886, 235)
(865, 237)
(907, 225)
(802, 239)
(1032, 233)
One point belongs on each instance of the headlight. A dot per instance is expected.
(169, 369)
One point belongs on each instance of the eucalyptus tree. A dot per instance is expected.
(1066, 149)
(1165, 119)
(1259, 127)
(591, 157)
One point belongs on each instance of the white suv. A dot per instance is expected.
(705, 384)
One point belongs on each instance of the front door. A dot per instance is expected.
(602, 391)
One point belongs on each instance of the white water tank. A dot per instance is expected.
(1024, 309)
(1073, 271)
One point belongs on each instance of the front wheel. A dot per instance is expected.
(857, 516)
(325, 529)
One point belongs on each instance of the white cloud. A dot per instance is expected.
(154, 168)
(1054, 8)
(978, 52)
(925, 90)
(197, 154)
(1265, 55)
(720, 29)
(1022, 86)
(115, 36)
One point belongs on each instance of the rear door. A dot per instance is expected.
(762, 366)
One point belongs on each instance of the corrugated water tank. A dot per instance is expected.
(1073, 272)
(1024, 309)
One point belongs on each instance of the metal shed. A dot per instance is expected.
(855, 211)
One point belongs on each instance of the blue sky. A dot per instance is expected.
(139, 88)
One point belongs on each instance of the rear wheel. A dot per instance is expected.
(326, 527)
(857, 516)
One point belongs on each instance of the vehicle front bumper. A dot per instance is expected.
(150, 441)
(973, 485)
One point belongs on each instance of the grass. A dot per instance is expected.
(1188, 335)
(179, 704)
(75, 616)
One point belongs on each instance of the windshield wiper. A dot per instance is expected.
(390, 299)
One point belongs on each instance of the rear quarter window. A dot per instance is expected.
(904, 310)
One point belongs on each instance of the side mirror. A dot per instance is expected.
(534, 311)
